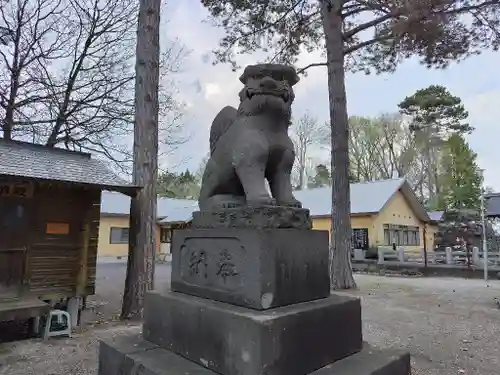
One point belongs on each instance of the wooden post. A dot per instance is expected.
(81, 284)
(425, 245)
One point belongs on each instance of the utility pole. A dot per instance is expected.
(483, 223)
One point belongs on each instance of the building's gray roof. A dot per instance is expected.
(435, 215)
(366, 197)
(21, 159)
(168, 209)
(369, 197)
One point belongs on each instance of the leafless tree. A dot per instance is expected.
(363, 139)
(35, 37)
(88, 105)
(306, 133)
(85, 98)
(383, 148)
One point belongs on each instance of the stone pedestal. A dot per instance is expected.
(256, 268)
(249, 301)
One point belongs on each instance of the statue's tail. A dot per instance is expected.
(221, 123)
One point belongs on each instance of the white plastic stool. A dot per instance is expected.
(61, 321)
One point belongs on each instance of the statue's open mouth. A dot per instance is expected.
(284, 95)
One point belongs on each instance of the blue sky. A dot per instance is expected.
(206, 89)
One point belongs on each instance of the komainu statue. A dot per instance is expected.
(251, 144)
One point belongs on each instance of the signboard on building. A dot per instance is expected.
(16, 189)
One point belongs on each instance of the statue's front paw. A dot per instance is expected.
(261, 201)
(290, 203)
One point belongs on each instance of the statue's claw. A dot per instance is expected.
(261, 201)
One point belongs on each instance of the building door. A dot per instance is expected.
(14, 234)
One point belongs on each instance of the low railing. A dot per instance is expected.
(449, 256)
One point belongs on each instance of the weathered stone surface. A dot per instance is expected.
(230, 340)
(260, 269)
(159, 361)
(132, 355)
(253, 217)
(251, 144)
(370, 361)
(113, 354)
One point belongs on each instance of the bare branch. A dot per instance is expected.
(71, 78)
(306, 133)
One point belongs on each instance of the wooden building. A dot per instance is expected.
(49, 223)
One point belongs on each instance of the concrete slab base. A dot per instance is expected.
(230, 340)
(132, 355)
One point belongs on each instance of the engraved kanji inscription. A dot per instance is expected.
(198, 263)
(225, 267)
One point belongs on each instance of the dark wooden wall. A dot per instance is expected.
(12, 264)
(55, 260)
(15, 212)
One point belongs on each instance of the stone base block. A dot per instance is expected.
(131, 355)
(260, 269)
(230, 340)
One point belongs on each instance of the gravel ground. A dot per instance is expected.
(451, 326)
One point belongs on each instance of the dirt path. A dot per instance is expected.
(451, 326)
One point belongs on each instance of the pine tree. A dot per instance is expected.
(461, 179)
(435, 114)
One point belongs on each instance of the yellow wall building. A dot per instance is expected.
(114, 223)
(382, 213)
(113, 236)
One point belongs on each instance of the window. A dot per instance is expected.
(387, 236)
(401, 235)
(118, 235)
(166, 235)
(360, 238)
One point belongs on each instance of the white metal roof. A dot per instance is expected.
(366, 197)
(172, 209)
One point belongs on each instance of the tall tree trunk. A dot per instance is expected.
(142, 243)
(302, 166)
(435, 176)
(340, 241)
